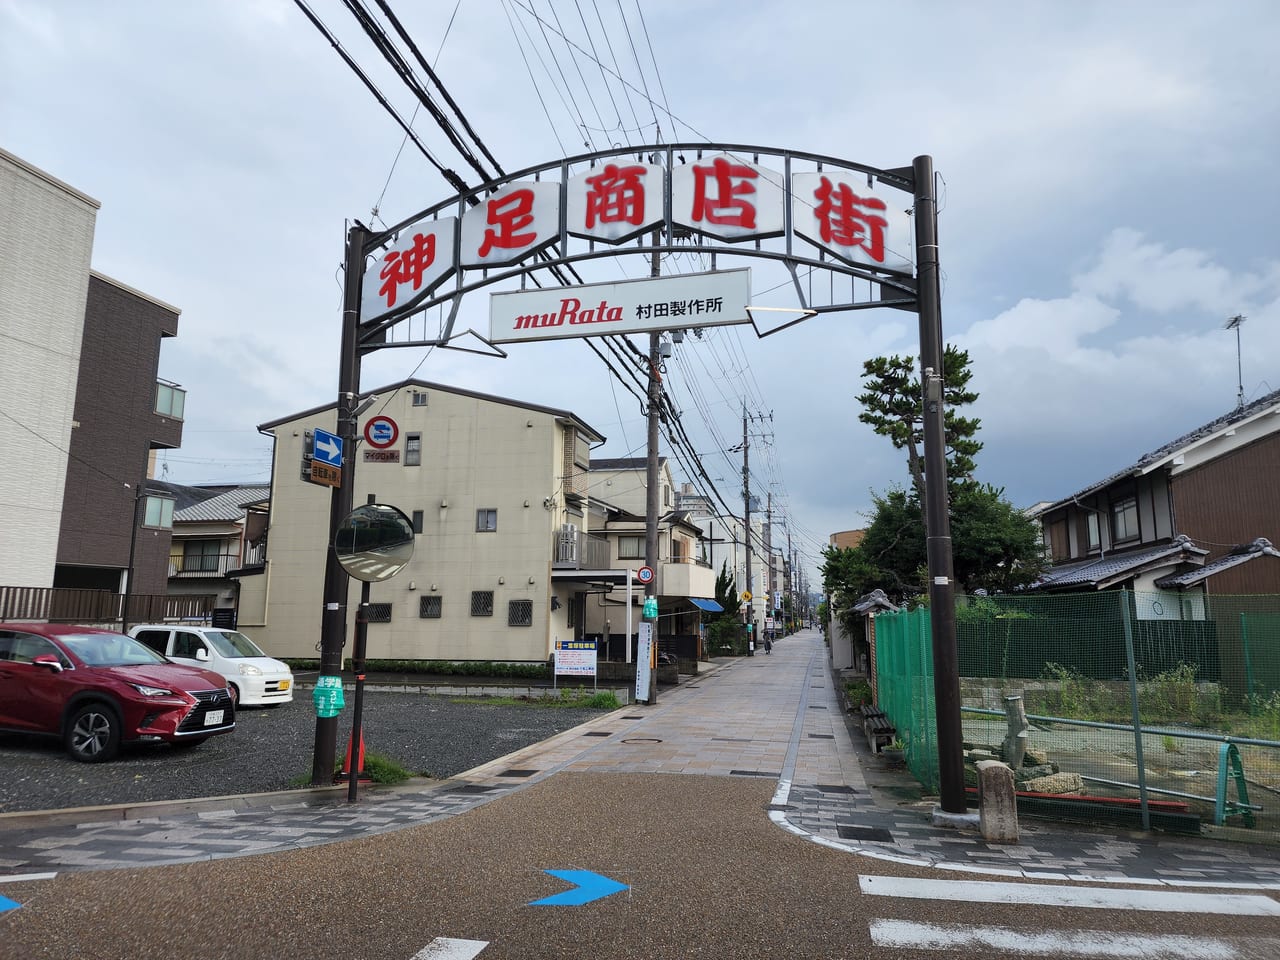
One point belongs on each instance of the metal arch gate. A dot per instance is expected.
(906, 283)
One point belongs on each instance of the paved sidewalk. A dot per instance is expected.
(770, 716)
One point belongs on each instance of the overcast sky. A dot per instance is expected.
(1108, 201)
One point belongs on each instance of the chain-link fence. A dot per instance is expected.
(1154, 709)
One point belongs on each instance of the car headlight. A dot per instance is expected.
(147, 691)
(249, 670)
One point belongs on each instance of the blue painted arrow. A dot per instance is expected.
(7, 904)
(588, 886)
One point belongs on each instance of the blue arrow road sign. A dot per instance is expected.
(327, 448)
(7, 904)
(588, 886)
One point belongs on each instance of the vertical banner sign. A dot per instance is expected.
(644, 652)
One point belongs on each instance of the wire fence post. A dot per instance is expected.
(1126, 619)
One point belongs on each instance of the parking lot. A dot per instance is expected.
(271, 749)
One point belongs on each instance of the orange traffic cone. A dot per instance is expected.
(345, 775)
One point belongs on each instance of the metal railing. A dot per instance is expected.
(69, 605)
(584, 551)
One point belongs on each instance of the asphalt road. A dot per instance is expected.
(271, 749)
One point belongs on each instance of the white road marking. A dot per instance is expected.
(905, 934)
(447, 948)
(1098, 898)
(19, 877)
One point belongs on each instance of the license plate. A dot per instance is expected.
(284, 685)
(213, 718)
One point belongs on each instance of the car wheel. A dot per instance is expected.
(93, 733)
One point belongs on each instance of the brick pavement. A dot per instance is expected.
(775, 717)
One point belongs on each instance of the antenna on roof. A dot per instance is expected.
(1233, 323)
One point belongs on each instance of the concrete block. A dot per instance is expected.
(997, 803)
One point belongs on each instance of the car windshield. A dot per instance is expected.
(109, 649)
(231, 644)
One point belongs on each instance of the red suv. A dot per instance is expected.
(97, 688)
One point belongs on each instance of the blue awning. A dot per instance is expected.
(708, 605)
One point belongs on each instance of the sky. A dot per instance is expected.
(1106, 203)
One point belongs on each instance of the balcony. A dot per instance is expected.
(578, 550)
(212, 565)
(686, 578)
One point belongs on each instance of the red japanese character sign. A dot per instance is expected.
(852, 219)
(511, 224)
(727, 197)
(614, 202)
(409, 268)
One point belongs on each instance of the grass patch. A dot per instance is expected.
(377, 766)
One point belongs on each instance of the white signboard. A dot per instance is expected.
(644, 652)
(630, 306)
(575, 658)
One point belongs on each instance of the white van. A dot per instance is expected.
(254, 678)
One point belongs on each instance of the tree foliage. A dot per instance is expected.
(893, 407)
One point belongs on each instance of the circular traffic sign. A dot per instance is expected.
(746, 595)
(381, 432)
(645, 574)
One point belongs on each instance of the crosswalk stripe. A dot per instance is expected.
(448, 948)
(906, 934)
(1062, 896)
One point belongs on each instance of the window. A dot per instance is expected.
(170, 400)
(413, 449)
(1124, 519)
(1059, 543)
(377, 613)
(1095, 531)
(520, 613)
(158, 512)
(630, 548)
(419, 398)
(157, 640)
(201, 556)
(482, 603)
(429, 607)
(187, 645)
(417, 521)
(486, 521)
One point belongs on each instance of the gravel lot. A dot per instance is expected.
(271, 746)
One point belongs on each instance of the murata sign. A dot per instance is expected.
(840, 212)
(629, 306)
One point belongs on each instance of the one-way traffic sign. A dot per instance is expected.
(327, 448)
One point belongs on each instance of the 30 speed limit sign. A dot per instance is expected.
(645, 574)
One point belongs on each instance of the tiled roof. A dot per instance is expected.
(874, 602)
(1259, 548)
(1160, 453)
(1103, 571)
(225, 506)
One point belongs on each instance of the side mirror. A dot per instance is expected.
(48, 660)
(202, 655)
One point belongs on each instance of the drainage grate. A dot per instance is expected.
(513, 772)
(822, 736)
(833, 788)
(754, 773)
(470, 788)
(819, 707)
(598, 733)
(633, 718)
(872, 834)
(731, 739)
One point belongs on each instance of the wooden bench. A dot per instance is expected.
(877, 727)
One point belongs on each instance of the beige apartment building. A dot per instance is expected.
(495, 489)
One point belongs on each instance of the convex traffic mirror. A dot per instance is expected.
(374, 542)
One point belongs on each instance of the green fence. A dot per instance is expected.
(1158, 708)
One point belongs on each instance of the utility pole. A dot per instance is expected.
(942, 606)
(333, 625)
(652, 483)
(770, 585)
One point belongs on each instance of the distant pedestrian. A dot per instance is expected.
(768, 645)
